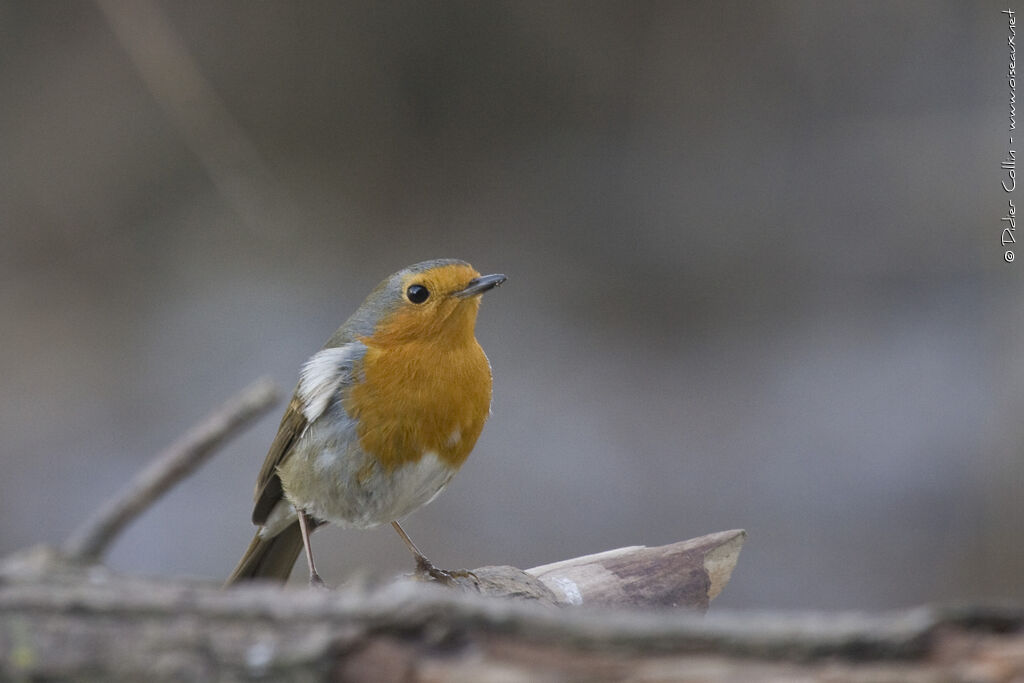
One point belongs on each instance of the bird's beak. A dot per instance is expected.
(479, 285)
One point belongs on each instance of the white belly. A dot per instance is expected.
(379, 498)
(330, 477)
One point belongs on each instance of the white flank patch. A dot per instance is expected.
(322, 376)
(455, 437)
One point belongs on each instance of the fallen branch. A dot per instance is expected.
(688, 575)
(92, 538)
(69, 622)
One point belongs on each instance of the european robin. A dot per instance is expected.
(381, 420)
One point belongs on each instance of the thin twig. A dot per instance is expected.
(91, 539)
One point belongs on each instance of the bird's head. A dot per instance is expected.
(432, 301)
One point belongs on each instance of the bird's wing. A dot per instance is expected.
(324, 378)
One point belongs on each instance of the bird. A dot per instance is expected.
(381, 419)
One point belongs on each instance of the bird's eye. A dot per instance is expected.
(417, 293)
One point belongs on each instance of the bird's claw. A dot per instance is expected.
(316, 583)
(446, 577)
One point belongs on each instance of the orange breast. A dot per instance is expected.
(417, 398)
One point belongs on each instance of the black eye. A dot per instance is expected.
(417, 293)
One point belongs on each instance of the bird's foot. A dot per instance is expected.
(316, 583)
(446, 577)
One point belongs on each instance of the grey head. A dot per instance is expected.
(385, 298)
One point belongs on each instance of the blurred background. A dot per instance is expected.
(755, 278)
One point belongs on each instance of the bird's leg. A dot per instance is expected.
(422, 563)
(314, 579)
(425, 566)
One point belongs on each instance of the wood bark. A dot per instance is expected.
(66, 621)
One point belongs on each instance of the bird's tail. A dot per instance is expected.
(269, 558)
